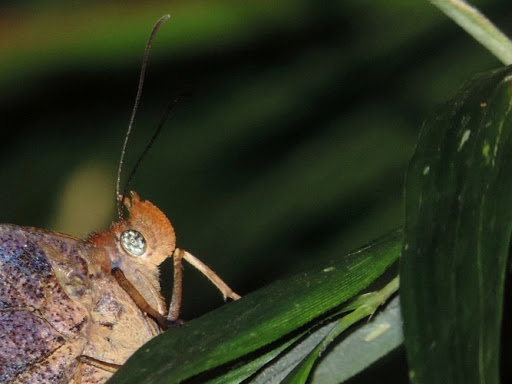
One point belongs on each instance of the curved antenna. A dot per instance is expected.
(155, 29)
(148, 146)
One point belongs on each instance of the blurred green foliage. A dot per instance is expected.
(292, 143)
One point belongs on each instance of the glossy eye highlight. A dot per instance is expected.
(133, 242)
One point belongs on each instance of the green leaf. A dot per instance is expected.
(362, 347)
(457, 233)
(245, 331)
(359, 349)
(366, 306)
(477, 25)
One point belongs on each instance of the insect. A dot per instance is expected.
(73, 310)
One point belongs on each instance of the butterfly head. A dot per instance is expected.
(146, 237)
(147, 233)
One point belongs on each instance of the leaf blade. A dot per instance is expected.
(456, 236)
(258, 319)
(368, 305)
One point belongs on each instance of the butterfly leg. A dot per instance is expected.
(139, 299)
(211, 275)
(177, 288)
(179, 255)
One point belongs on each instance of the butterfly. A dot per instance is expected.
(73, 310)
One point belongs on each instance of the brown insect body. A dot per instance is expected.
(63, 316)
(72, 310)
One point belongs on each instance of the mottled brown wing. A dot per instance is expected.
(42, 329)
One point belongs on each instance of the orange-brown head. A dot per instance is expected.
(158, 239)
(153, 225)
(137, 245)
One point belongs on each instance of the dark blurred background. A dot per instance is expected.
(291, 145)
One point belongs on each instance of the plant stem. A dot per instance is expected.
(478, 26)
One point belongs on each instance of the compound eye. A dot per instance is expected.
(133, 242)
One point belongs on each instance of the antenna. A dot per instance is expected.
(158, 129)
(155, 29)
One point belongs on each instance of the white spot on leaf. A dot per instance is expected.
(464, 138)
(379, 330)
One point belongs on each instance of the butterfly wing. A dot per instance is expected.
(43, 307)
